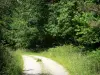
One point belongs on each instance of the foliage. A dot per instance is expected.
(46, 23)
(75, 61)
(87, 28)
(63, 22)
(11, 62)
(94, 57)
(26, 27)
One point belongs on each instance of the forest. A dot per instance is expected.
(70, 27)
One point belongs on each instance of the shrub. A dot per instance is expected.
(10, 62)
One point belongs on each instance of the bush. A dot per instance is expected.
(10, 62)
(94, 57)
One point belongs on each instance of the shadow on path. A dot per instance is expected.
(36, 74)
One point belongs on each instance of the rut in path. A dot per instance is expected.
(38, 65)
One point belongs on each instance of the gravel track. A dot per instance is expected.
(38, 65)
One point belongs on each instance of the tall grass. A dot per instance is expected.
(76, 62)
(18, 63)
(10, 62)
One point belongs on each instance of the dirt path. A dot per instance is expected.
(31, 67)
(38, 65)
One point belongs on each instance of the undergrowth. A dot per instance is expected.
(10, 62)
(74, 60)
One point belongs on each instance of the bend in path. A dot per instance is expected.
(53, 67)
(45, 66)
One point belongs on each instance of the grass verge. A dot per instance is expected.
(74, 60)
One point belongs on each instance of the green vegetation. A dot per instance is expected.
(75, 61)
(37, 24)
(63, 22)
(11, 62)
